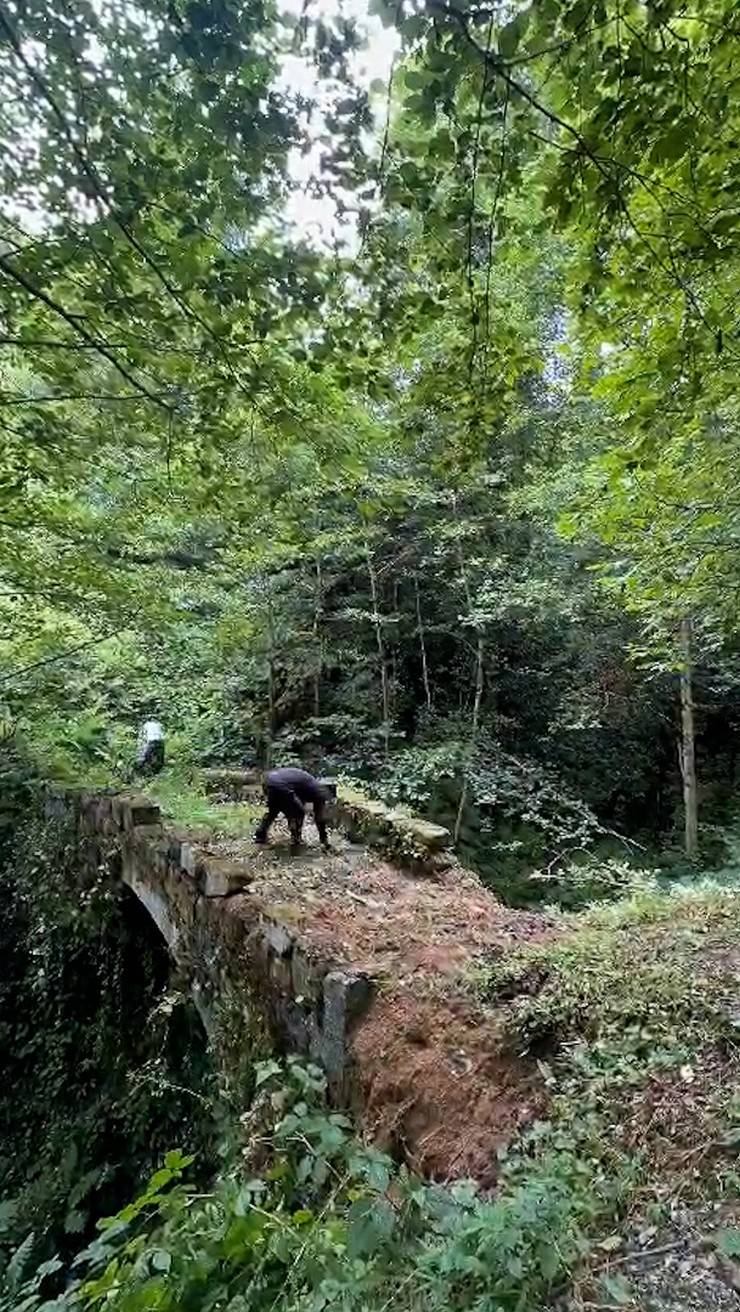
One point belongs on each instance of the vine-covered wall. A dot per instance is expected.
(104, 1059)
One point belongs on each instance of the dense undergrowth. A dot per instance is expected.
(329, 1223)
(104, 1063)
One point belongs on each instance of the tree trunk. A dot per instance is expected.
(422, 647)
(479, 668)
(270, 711)
(271, 698)
(393, 687)
(479, 662)
(318, 642)
(381, 650)
(687, 748)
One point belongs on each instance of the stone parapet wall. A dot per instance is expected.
(415, 844)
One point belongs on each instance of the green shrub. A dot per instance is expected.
(326, 1222)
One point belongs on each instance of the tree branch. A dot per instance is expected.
(38, 294)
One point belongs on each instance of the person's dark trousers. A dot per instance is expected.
(319, 821)
(152, 758)
(282, 801)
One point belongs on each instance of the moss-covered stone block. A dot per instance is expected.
(232, 784)
(220, 877)
(406, 839)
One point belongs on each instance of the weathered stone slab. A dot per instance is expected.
(346, 997)
(140, 811)
(277, 938)
(117, 811)
(146, 833)
(220, 877)
(103, 812)
(188, 859)
(428, 835)
(280, 975)
(158, 906)
(128, 812)
(307, 976)
(56, 804)
(232, 783)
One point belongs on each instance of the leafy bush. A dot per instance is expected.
(325, 1222)
(103, 1062)
(518, 815)
(592, 878)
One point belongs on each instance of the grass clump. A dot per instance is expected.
(658, 965)
(183, 800)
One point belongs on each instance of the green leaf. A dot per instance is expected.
(371, 1222)
(267, 1070)
(728, 1242)
(510, 36)
(415, 80)
(674, 144)
(618, 1289)
(175, 1160)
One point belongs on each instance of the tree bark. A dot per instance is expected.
(381, 651)
(479, 672)
(479, 665)
(270, 711)
(271, 698)
(422, 647)
(393, 682)
(318, 642)
(687, 747)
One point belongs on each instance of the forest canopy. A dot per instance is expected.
(449, 502)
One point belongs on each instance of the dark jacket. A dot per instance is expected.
(299, 782)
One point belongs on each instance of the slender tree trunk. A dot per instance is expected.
(474, 723)
(270, 710)
(318, 642)
(393, 685)
(687, 748)
(381, 650)
(422, 647)
(271, 698)
(478, 698)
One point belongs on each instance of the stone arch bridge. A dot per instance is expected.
(360, 960)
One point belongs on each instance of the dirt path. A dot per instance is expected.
(681, 1268)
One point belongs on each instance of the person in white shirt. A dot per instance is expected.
(151, 747)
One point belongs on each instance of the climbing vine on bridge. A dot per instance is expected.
(105, 1065)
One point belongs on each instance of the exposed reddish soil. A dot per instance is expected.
(435, 1082)
(437, 1087)
(356, 909)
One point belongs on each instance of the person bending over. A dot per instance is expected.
(288, 790)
